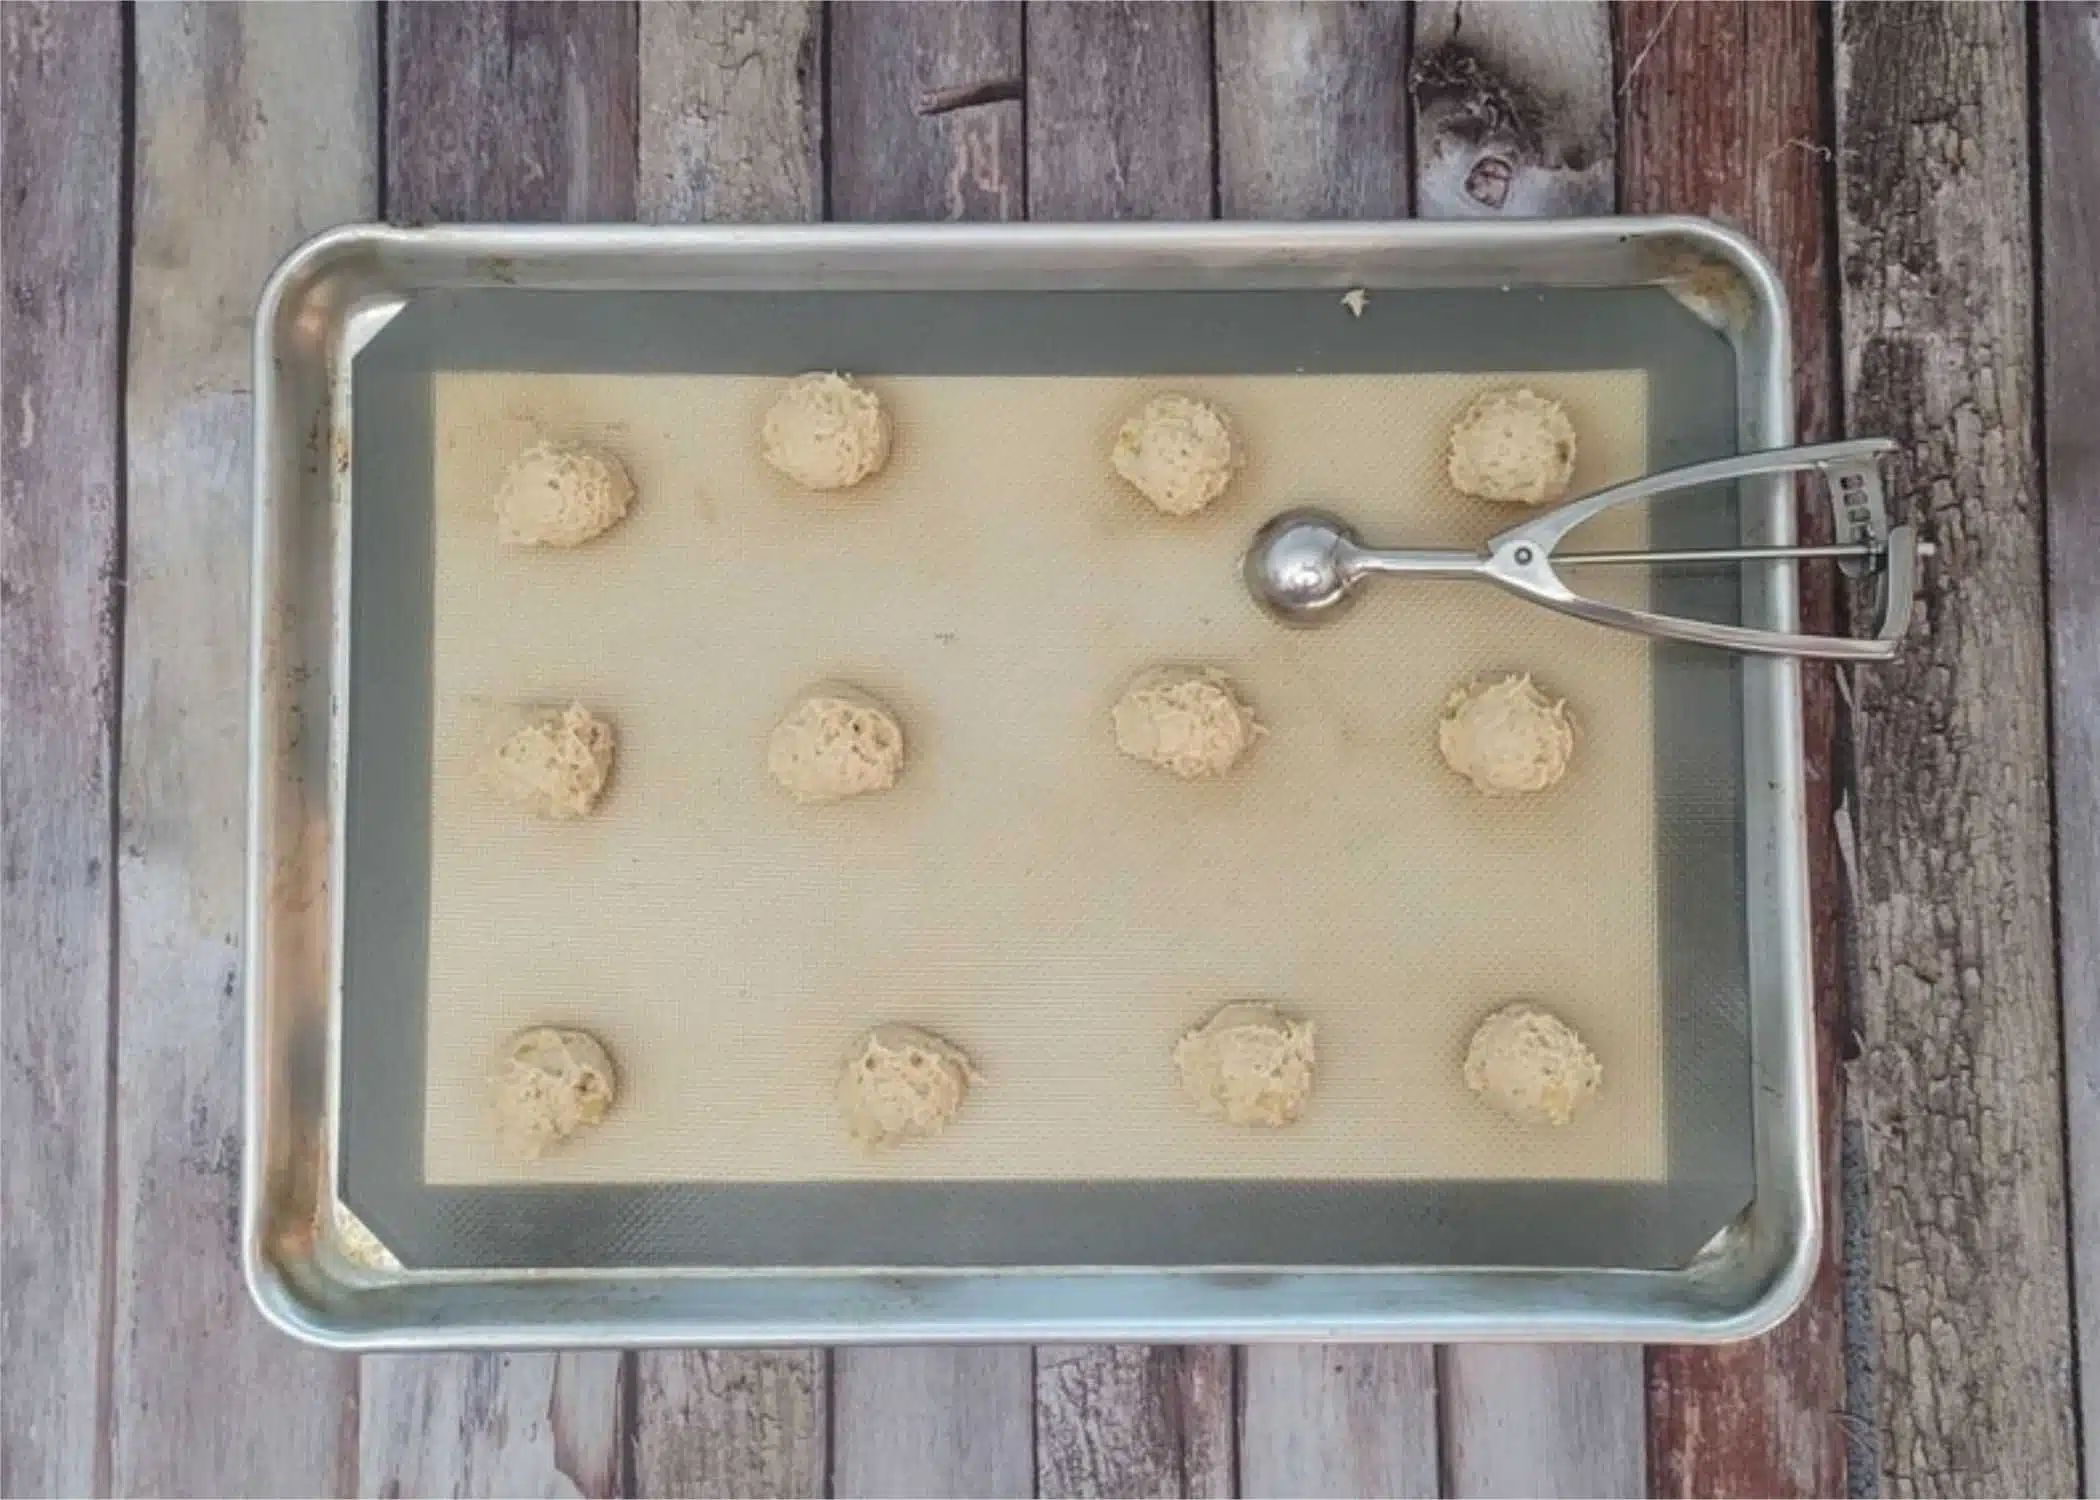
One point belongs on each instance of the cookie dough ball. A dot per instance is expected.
(1177, 452)
(837, 742)
(1249, 1064)
(902, 1084)
(826, 433)
(1514, 446)
(560, 495)
(557, 765)
(1506, 737)
(1188, 720)
(1531, 1065)
(549, 1083)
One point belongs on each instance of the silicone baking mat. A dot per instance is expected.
(1061, 912)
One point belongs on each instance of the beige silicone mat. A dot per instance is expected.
(1060, 911)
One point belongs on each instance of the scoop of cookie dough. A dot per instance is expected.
(560, 495)
(836, 742)
(1250, 1064)
(1514, 446)
(900, 1083)
(1531, 1065)
(1177, 452)
(547, 1084)
(1505, 736)
(557, 765)
(1188, 720)
(825, 432)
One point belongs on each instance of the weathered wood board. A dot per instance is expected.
(2068, 39)
(61, 556)
(1959, 1087)
(242, 149)
(1721, 114)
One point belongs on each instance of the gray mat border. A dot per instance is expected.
(1005, 1225)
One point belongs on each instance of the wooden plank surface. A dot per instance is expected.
(1541, 1419)
(924, 121)
(1721, 114)
(1959, 1087)
(2069, 67)
(503, 112)
(61, 553)
(1337, 1420)
(1119, 127)
(732, 120)
(1128, 1420)
(1513, 108)
(1312, 122)
(1514, 117)
(933, 1422)
(489, 1424)
(1119, 110)
(1312, 110)
(243, 148)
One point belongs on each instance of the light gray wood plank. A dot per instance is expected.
(1119, 110)
(488, 1424)
(1513, 108)
(923, 121)
(1337, 1420)
(1724, 116)
(1542, 1420)
(898, 150)
(61, 550)
(2069, 39)
(731, 1422)
(1515, 118)
(1129, 1420)
(495, 112)
(732, 111)
(1960, 1085)
(933, 1422)
(244, 147)
(732, 118)
(1313, 110)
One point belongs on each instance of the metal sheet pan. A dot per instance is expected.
(332, 296)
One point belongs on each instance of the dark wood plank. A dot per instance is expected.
(2069, 39)
(732, 111)
(1119, 110)
(1312, 123)
(1129, 1420)
(1959, 1089)
(1119, 127)
(933, 1422)
(924, 122)
(1721, 114)
(1312, 110)
(503, 112)
(61, 552)
(1513, 108)
(901, 146)
(1514, 117)
(243, 147)
(1337, 1420)
(511, 111)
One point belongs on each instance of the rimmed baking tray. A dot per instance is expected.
(364, 337)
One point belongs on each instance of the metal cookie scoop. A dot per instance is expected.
(1304, 564)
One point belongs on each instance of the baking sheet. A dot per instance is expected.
(1059, 911)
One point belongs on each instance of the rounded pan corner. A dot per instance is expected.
(293, 1300)
(1775, 1279)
